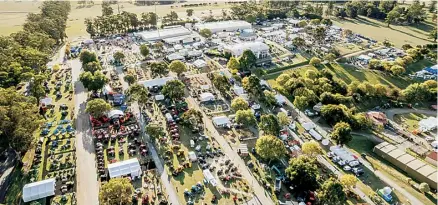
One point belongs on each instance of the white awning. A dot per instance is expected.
(156, 82)
(130, 166)
(46, 101)
(308, 125)
(115, 113)
(221, 120)
(280, 99)
(38, 190)
(199, 63)
(315, 134)
(159, 97)
(238, 90)
(209, 177)
(206, 97)
(427, 124)
(192, 156)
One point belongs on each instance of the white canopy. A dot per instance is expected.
(280, 99)
(209, 177)
(342, 153)
(46, 101)
(199, 63)
(159, 97)
(427, 124)
(192, 156)
(130, 166)
(308, 125)
(325, 142)
(221, 120)
(168, 117)
(315, 134)
(115, 113)
(238, 90)
(38, 190)
(156, 82)
(206, 97)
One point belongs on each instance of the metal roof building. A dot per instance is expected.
(417, 169)
(223, 26)
(165, 33)
(259, 49)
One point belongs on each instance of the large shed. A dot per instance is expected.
(417, 169)
(260, 50)
(156, 82)
(38, 190)
(160, 34)
(223, 26)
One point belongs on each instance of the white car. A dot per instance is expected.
(341, 162)
(347, 168)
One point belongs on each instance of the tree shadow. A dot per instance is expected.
(406, 33)
(367, 22)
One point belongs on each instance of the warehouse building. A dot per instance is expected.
(260, 50)
(223, 26)
(415, 168)
(171, 32)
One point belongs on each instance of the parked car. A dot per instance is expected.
(358, 171)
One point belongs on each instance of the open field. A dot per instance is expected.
(409, 121)
(377, 30)
(13, 14)
(419, 65)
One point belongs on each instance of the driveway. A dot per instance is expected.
(86, 175)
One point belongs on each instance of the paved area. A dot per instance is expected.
(87, 184)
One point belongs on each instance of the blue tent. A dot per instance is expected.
(433, 69)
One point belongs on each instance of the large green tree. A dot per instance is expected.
(341, 133)
(144, 50)
(19, 120)
(177, 67)
(269, 124)
(247, 60)
(245, 117)
(206, 33)
(173, 89)
(252, 85)
(332, 192)
(116, 191)
(97, 107)
(159, 69)
(87, 57)
(303, 173)
(239, 104)
(270, 148)
(93, 82)
(138, 93)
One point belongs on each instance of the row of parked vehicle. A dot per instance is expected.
(353, 166)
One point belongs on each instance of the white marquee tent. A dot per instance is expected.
(427, 124)
(238, 90)
(308, 125)
(280, 99)
(156, 82)
(209, 177)
(200, 63)
(221, 121)
(38, 190)
(46, 101)
(204, 97)
(315, 134)
(130, 166)
(115, 113)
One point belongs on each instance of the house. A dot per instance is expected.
(378, 118)
(260, 50)
(223, 26)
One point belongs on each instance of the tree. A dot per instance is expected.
(138, 93)
(319, 33)
(233, 65)
(303, 173)
(97, 107)
(315, 21)
(245, 117)
(332, 192)
(302, 24)
(87, 56)
(93, 82)
(311, 148)
(392, 17)
(298, 42)
(300, 102)
(116, 191)
(154, 130)
(247, 60)
(341, 133)
(432, 6)
(327, 22)
(433, 34)
(250, 18)
(36, 87)
(397, 70)
(107, 10)
(174, 89)
(130, 79)
(315, 61)
(189, 12)
(330, 57)
(269, 98)
(118, 56)
(424, 187)
(177, 67)
(239, 104)
(206, 33)
(92, 67)
(311, 74)
(252, 85)
(192, 118)
(270, 147)
(283, 119)
(159, 69)
(348, 180)
(18, 120)
(346, 33)
(269, 124)
(144, 50)
(335, 113)
(221, 83)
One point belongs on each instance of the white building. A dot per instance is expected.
(205, 97)
(165, 33)
(223, 26)
(127, 167)
(221, 121)
(38, 190)
(259, 49)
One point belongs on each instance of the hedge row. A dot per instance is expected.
(286, 67)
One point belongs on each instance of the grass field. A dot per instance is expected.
(409, 121)
(420, 65)
(13, 14)
(378, 30)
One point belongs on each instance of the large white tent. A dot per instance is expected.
(427, 124)
(38, 190)
(209, 177)
(308, 125)
(315, 134)
(223, 26)
(204, 97)
(280, 99)
(130, 166)
(115, 113)
(156, 82)
(221, 121)
(238, 90)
